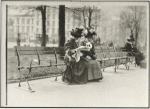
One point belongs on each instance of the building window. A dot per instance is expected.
(68, 26)
(17, 29)
(37, 30)
(53, 30)
(48, 16)
(23, 29)
(48, 9)
(32, 28)
(17, 20)
(28, 21)
(23, 21)
(38, 16)
(48, 23)
(32, 21)
(47, 30)
(68, 33)
(54, 16)
(37, 23)
(28, 29)
(53, 23)
(54, 10)
(68, 20)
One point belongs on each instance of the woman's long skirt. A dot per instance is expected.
(94, 70)
(76, 72)
(83, 71)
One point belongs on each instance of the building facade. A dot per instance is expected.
(30, 26)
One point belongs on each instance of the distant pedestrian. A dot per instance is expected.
(131, 48)
(129, 43)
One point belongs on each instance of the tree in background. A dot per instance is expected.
(61, 25)
(131, 18)
(86, 14)
(29, 9)
(42, 8)
(18, 39)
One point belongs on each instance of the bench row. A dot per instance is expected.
(107, 56)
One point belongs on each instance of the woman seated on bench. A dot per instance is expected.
(94, 70)
(130, 48)
(77, 67)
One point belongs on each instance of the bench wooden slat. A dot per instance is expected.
(111, 49)
(27, 52)
(37, 66)
(105, 59)
(98, 50)
(105, 49)
(25, 48)
(45, 49)
(60, 50)
(100, 55)
(45, 52)
(35, 52)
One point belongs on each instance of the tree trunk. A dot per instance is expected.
(90, 15)
(43, 13)
(61, 25)
(84, 18)
(136, 36)
(89, 24)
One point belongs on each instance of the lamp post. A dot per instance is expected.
(18, 38)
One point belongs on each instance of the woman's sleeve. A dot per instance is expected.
(83, 52)
(69, 48)
(93, 49)
(94, 33)
(133, 39)
(94, 56)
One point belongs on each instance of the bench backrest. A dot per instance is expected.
(60, 50)
(20, 50)
(111, 49)
(105, 49)
(33, 50)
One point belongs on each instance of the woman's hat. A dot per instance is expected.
(77, 32)
(90, 35)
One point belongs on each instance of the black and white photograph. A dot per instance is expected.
(74, 54)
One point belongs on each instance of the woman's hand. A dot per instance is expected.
(88, 57)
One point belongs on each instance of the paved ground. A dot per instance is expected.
(125, 89)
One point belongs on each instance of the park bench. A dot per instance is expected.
(113, 57)
(38, 57)
(123, 53)
(107, 56)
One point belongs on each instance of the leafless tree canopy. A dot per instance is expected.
(131, 18)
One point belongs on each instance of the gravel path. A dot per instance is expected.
(125, 89)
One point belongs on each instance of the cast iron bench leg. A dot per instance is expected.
(115, 65)
(20, 78)
(126, 63)
(56, 78)
(27, 80)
